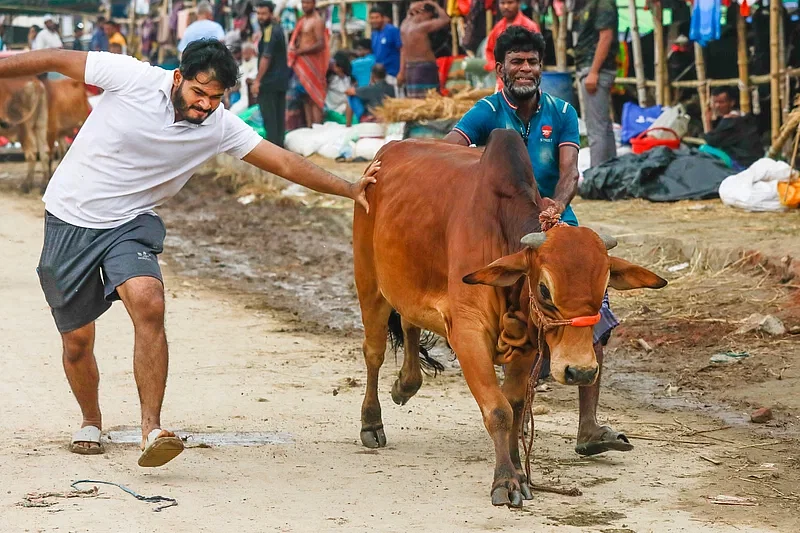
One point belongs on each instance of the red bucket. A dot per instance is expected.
(642, 143)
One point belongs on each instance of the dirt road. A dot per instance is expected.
(238, 368)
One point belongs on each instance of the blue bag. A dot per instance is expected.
(637, 119)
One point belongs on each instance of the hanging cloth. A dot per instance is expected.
(705, 23)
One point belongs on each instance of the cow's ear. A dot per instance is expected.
(502, 273)
(626, 276)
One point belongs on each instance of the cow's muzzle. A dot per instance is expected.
(579, 376)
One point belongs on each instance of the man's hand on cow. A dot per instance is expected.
(359, 188)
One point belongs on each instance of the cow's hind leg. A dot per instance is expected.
(375, 315)
(410, 379)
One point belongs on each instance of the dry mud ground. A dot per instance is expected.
(264, 339)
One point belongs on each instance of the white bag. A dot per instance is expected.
(756, 188)
(367, 148)
(674, 118)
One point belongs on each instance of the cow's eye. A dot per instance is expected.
(545, 292)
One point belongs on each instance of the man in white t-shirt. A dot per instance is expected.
(139, 146)
(48, 37)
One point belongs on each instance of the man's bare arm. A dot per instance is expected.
(567, 185)
(455, 138)
(70, 63)
(601, 52)
(297, 169)
(441, 21)
(263, 65)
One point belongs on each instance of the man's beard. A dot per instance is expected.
(524, 92)
(183, 108)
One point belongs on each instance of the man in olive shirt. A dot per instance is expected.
(272, 79)
(596, 60)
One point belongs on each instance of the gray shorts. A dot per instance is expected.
(81, 268)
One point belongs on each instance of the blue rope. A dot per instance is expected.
(148, 499)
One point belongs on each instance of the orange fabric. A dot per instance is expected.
(499, 28)
(789, 193)
(310, 69)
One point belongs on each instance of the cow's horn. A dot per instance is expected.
(534, 240)
(609, 241)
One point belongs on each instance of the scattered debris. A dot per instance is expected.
(794, 330)
(670, 390)
(247, 199)
(48, 499)
(761, 416)
(678, 267)
(540, 410)
(764, 323)
(294, 190)
(710, 460)
(641, 343)
(544, 387)
(335, 392)
(722, 499)
(728, 357)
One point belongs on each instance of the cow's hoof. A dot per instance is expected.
(373, 438)
(526, 491)
(399, 396)
(502, 496)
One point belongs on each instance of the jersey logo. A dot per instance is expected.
(547, 131)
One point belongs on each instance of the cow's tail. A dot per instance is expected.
(426, 342)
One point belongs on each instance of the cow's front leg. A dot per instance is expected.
(475, 352)
(517, 373)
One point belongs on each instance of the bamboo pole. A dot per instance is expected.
(396, 14)
(561, 49)
(453, 34)
(774, 85)
(744, 76)
(489, 21)
(702, 87)
(343, 23)
(783, 80)
(638, 64)
(658, 42)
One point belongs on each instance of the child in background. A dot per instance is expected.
(340, 79)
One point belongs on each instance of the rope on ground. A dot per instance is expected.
(149, 499)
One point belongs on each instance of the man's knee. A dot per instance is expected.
(78, 343)
(144, 299)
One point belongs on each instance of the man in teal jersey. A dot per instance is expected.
(549, 128)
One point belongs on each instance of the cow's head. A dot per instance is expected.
(568, 270)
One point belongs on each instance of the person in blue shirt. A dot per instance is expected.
(386, 44)
(363, 63)
(549, 128)
(99, 42)
(203, 28)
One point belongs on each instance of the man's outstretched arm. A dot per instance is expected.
(297, 169)
(70, 63)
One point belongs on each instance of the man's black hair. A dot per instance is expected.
(210, 56)
(366, 44)
(378, 10)
(342, 60)
(378, 71)
(731, 92)
(266, 3)
(518, 39)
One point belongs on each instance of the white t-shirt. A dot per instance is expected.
(131, 156)
(46, 39)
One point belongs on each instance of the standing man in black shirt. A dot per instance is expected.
(272, 79)
(596, 60)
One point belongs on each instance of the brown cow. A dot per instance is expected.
(439, 214)
(23, 115)
(68, 108)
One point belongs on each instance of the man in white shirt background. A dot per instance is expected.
(140, 145)
(48, 37)
(203, 28)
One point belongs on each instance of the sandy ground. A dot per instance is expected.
(239, 368)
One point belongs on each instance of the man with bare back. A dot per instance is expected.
(418, 70)
(308, 57)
